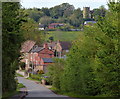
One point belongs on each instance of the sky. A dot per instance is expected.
(51, 3)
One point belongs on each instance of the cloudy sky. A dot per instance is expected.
(52, 3)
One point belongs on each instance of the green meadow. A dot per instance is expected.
(63, 35)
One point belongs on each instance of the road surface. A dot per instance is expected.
(38, 90)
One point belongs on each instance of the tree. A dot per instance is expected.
(99, 12)
(31, 32)
(63, 10)
(34, 14)
(12, 38)
(45, 20)
(55, 71)
(46, 11)
(93, 63)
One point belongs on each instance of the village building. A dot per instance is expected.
(60, 48)
(89, 23)
(25, 48)
(40, 57)
(54, 25)
(41, 26)
(37, 58)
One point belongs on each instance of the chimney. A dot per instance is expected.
(58, 41)
(46, 46)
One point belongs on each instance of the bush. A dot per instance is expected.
(40, 72)
(22, 65)
(54, 72)
(36, 77)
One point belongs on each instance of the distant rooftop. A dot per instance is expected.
(27, 46)
(36, 49)
(48, 60)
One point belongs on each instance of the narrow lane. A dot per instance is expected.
(38, 90)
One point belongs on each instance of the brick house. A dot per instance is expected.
(54, 25)
(25, 48)
(60, 48)
(40, 57)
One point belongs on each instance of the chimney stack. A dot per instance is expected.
(46, 46)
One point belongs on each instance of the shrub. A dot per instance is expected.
(36, 77)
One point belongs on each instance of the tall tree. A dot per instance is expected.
(93, 64)
(12, 39)
(30, 31)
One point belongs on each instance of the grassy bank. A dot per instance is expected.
(74, 95)
(35, 77)
(12, 93)
(19, 75)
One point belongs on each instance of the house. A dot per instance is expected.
(40, 57)
(25, 48)
(60, 48)
(89, 23)
(44, 63)
(46, 52)
(54, 25)
(41, 26)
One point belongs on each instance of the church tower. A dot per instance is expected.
(86, 12)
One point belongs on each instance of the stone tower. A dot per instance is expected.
(86, 12)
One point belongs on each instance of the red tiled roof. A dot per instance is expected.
(27, 46)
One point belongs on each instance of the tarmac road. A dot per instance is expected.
(38, 90)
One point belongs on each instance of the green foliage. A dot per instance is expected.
(35, 76)
(31, 32)
(19, 75)
(93, 64)
(55, 71)
(11, 22)
(40, 72)
(45, 20)
(20, 85)
(63, 13)
(22, 65)
(101, 11)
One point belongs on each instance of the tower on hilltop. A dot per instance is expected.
(86, 12)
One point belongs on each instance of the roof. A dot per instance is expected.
(36, 49)
(47, 60)
(41, 26)
(27, 46)
(86, 22)
(65, 45)
(56, 24)
(52, 44)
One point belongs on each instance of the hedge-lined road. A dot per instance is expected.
(38, 90)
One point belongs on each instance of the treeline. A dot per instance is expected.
(92, 66)
(64, 13)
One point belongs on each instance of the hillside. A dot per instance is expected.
(64, 35)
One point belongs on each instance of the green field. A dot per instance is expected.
(63, 35)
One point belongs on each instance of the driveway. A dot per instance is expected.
(38, 90)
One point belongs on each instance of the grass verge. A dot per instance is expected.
(73, 95)
(12, 93)
(19, 75)
(33, 79)
(7, 95)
